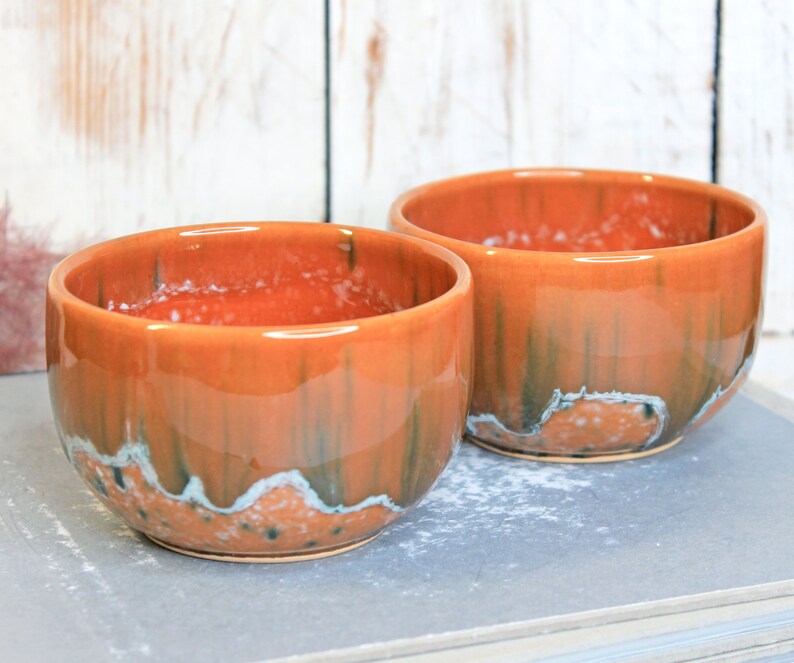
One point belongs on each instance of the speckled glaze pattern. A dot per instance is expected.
(261, 390)
(613, 311)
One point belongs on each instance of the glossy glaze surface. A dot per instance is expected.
(614, 311)
(264, 390)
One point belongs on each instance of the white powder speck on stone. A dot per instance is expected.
(484, 492)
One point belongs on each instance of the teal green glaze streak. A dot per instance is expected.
(329, 462)
(375, 485)
(308, 462)
(122, 404)
(79, 413)
(429, 429)
(711, 378)
(587, 358)
(499, 352)
(409, 471)
(182, 471)
(411, 430)
(617, 323)
(228, 496)
(747, 348)
(327, 436)
(349, 247)
(336, 474)
(142, 436)
(323, 484)
(550, 381)
(679, 408)
(315, 440)
(310, 469)
(304, 399)
(755, 284)
(100, 291)
(530, 406)
(341, 430)
(103, 431)
(710, 359)
(156, 277)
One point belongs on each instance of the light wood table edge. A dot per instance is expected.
(740, 621)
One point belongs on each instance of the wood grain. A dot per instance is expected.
(121, 115)
(426, 89)
(756, 153)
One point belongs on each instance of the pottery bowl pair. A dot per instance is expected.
(284, 391)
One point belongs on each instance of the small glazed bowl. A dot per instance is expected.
(261, 391)
(614, 311)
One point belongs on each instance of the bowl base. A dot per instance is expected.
(246, 558)
(551, 458)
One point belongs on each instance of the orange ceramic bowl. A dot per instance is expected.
(613, 311)
(260, 391)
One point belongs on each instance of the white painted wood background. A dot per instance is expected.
(119, 115)
(128, 114)
(756, 133)
(423, 89)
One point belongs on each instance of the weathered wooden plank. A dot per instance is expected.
(131, 114)
(756, 152)
(427, 88)
(120, 115)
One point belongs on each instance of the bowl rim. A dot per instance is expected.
(58, 292)
(399, 221)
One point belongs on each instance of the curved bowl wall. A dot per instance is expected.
(261, 390)
(614, 311)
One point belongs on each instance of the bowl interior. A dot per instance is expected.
(260, 274)
(576, 211)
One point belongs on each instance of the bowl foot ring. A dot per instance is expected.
(247, 558)
(550, 458)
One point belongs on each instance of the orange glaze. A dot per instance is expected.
(289, 381)
(603, 281)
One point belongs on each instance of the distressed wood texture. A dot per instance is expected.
(127, 115)
(120, 115)
(423, 89)
(756, 153)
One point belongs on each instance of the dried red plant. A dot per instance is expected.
(25, 264)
